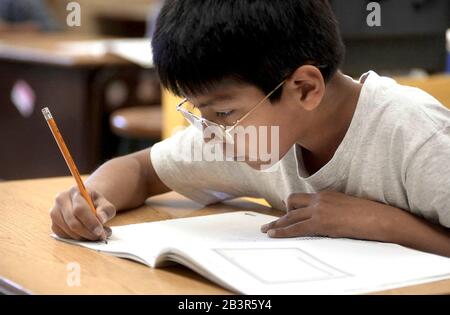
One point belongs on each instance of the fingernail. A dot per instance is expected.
(108, 231)
(103, 217)
(271, 233)
(105, 237)
(98, 231)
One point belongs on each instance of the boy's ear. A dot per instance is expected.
(307, 86)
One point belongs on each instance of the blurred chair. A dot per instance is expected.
(173, 121)
(138, 127)
(436, 85)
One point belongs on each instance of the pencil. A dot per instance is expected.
(68, 158)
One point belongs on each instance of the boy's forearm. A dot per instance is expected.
(126, 181)
(401, 227)
(119, 180)
(335, 214)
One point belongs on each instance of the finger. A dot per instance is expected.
(108, 231)
(303, 228)
(298, 200)
(83, 213)
(288, 219)
(75, 225)
(268, 226)
(105, 210)
(94, 195)
(59, 231)
(58, 220)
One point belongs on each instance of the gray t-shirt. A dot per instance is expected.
(396, 151)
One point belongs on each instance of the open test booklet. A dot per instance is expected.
(229, 249)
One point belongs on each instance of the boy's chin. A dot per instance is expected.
(253, 164)
(260, 165)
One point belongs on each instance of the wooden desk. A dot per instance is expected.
(30, 258)
(81, 88)
(54, 49)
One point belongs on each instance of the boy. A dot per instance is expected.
(365, 159)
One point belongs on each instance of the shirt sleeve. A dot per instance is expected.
(179, 163)
(428, 179)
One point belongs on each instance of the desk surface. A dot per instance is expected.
(30, 260)
(57, 49)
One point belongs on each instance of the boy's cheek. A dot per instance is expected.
(259, 153)
(258, 146)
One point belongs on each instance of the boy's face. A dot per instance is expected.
(266, 134)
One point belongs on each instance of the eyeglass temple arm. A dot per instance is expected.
(257, 105)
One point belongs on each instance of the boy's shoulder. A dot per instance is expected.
(406, 110)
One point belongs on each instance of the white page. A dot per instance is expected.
(230, 249)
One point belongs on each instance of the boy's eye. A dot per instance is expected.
(224, 114)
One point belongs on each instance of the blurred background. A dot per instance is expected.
(90, 62)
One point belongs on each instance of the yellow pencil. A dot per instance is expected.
(68, 158)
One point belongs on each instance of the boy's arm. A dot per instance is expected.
(427, 187)
(120, 183)
(335, 214)
(127, 181)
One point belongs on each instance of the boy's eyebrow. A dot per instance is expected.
(213, 100)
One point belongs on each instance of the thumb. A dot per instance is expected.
(105, 211)
(108, 231)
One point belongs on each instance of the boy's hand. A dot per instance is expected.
(72, 217)
(325, 213)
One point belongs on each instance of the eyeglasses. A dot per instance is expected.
(224, 133)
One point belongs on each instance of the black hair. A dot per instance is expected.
(198, 43)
